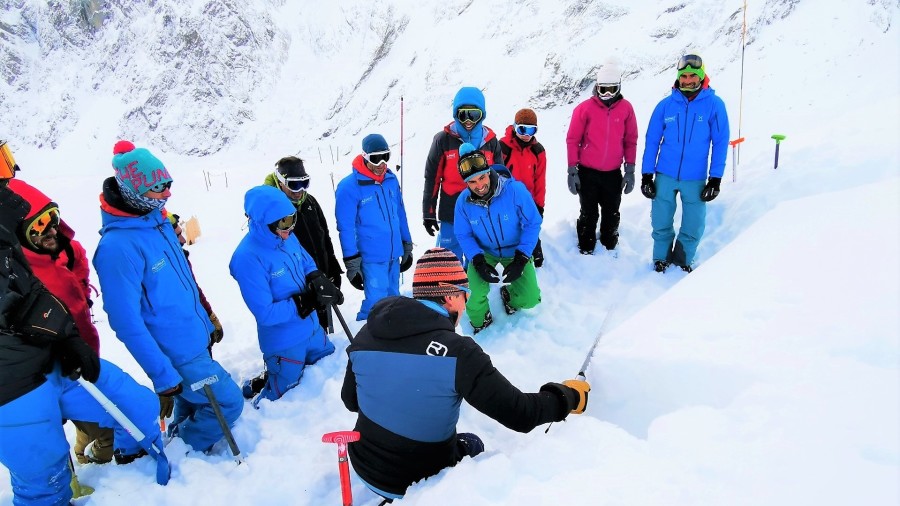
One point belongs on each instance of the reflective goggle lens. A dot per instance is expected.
(526, 129)
(690, 60)
(41, 224)
(295, 184)
(8, 165)
(286, 224)
(378, 158)
(161, 187)
(472, 115)
(607, 90)
(472, 164)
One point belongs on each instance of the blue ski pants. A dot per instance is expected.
(33, 445)
(194, 419)
(447, 239)
(380, 280)
(285, 367)
(662, 218)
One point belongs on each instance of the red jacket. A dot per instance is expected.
(601, 137)
(527, 162)
(65, 273)
(441, 175)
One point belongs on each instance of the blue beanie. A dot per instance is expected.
(465, 149)
(469, 95)
(374, 143)
(137, 170)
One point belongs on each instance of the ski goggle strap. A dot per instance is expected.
(43, 222)
(378, 157)
(690, 60)
(473, 115)
(526, 129)
(295, 184)
(8, 166)
(472, 164)
(285, 224)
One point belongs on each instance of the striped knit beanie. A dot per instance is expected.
(436, 272)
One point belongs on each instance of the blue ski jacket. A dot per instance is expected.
(680, 133)
(269, 270)
(149, 293)
(506, 222)
(371, 218)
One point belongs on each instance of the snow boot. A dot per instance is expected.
(128, 459)
(468, 444)
(504, 296)
(253, 386)
(660, 266)
(488, 319)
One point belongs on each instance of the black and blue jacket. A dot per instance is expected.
(407, 376)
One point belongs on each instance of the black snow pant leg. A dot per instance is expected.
(603, 190)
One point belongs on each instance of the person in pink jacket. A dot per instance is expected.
(602, 134)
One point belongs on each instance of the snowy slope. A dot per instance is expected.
(767, 376)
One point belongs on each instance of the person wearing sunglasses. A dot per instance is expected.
(685, 153)
(408, 373)
(602, 135)
(283, 288)
(497, 223)
(525, 158)
(41, 356)
(291, 177)
(442, 182)
(372, 226)
(152, 300)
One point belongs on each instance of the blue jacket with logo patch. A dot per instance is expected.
(371, 218)
(506, 222)
(269, 270)
(149, 294)
(680, 133)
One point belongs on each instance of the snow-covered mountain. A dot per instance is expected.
(769, 375)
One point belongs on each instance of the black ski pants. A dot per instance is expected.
(599, 190)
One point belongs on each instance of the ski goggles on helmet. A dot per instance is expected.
(378, 157)
(690, 60)
(526, 129)
(41, 224)
(8, 166)
(472, 164)
(285, 224)
(470, 114)
(161, 187)
(294, 184)
(607, 90)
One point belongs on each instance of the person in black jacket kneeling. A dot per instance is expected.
(408, 372)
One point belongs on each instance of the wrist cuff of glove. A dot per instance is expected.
(304, 307)
(646, 178)
(313, 275)
(629, 168)
(568, 398)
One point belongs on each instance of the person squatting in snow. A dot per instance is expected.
(372, 226)
(290, 177)
(602, 134)
(41, 353)
(683, 128)
(526, 160)
(152, 300)
(408, 355)
(442, 182)
(496, 222)
(283, 288)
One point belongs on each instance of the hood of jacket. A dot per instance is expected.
(264, 205)
(399, 317)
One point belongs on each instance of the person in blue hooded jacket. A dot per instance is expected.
(683, 128)
(372, 227)
(497, 222)
(152, 300)
(283, 289)
(442, 182)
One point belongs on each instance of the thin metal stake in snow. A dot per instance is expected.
(204, 385)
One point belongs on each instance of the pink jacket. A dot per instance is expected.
(601, 137)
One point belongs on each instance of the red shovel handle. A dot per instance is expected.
(342, 439)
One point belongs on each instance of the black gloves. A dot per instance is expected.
(354, 270)
(77, 358)
(628, 178)
(648, 187)
(513, 271)
(406, 261)
(306, 303)
(325, 291)
(573, 395)
(484, 270)
(431, 226)
(573, 181)
(711, 190)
